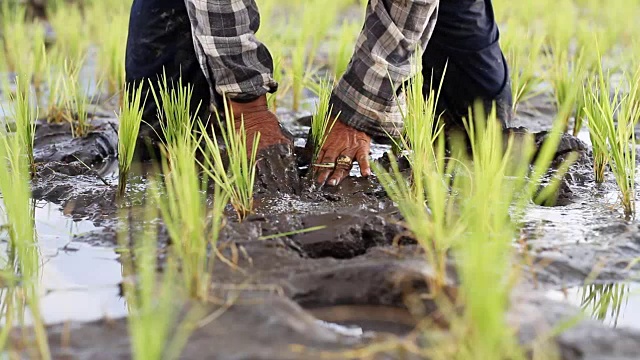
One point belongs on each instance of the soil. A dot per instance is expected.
(361, 269)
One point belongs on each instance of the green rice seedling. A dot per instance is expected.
(272, 99)
(129, 127)
(613, 144)
(343, 48)
(174, 110)
(17, 43)
(183, 205)
(155, 301)
(111, 53)
(567, 76)
(522, 57)
(322, 122)
(238, 177)
(622, 141)
(424, 200)
(71, 31)
(561, 25)
(298, 75)
(16, 194)
(25, 115)
(597, 104)
(75, 99)
(484, 253)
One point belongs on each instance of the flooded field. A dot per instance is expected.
(463, 259)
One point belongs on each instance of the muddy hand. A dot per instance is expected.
(343, 146)
(258, 119)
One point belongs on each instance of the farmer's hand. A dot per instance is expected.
(258, 119)
(344, 145)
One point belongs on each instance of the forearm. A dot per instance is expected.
(367, 95)
(234, 61)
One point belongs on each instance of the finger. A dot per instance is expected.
(324, 173)
(363, 161)
(340, 172)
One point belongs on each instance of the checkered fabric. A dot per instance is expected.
(366, 97)
(234, 62)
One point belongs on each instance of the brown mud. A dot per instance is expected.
(361, 269)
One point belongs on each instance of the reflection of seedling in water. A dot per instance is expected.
(603, 301)
(154, 301)
(129, 127)
(18, 213)
(322, 121)
(238, 178)
(183, 205)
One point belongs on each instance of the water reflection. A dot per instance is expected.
(77, 282)
(605, 302)
(615, 305)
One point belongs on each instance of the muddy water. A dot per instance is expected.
(78, 282)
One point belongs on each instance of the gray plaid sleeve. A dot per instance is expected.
(367, 96)
(233, 60)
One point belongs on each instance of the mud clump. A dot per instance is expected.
(53, 142)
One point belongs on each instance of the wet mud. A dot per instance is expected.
(361, 268)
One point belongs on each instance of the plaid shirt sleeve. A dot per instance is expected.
(367, 96)
(234, 62)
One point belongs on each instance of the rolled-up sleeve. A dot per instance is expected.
(235, 63)
(367, 96)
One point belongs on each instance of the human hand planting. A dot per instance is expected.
(343, 145)
(257, 118)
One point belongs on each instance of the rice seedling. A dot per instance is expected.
(484, 253)
(522, 57)
(129, 127)
(622, 142)
(597, 105)
(561, 25)
(16, 193)
(154, 301)
(71, 30)
(424, 201)
(174, 110)
(17, 43)
(75, 100)
(567, 76)
(238, 177)
(343, 48)
(183, 205)
(603, 113)
(25, 115)
(322, 122)
(298, 74)
(111, 53)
